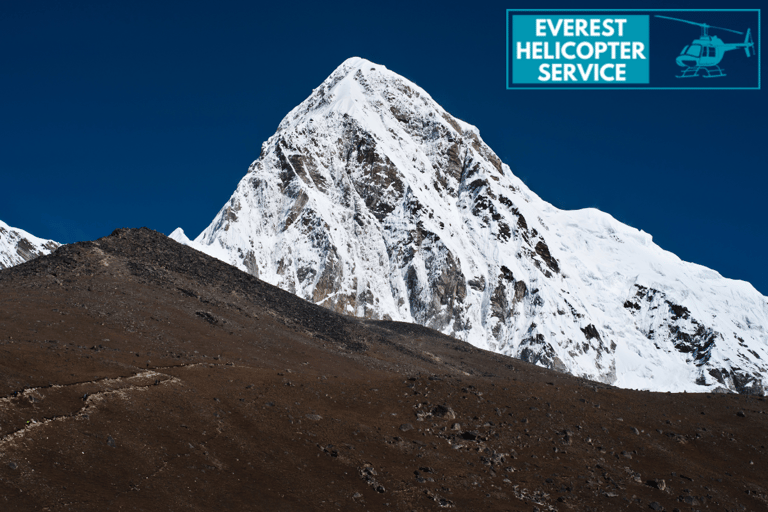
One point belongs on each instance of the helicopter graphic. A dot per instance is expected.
(705, 53)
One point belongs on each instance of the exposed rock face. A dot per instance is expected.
(18, 246)
(372, 200)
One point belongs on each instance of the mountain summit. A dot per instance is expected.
(372, 200)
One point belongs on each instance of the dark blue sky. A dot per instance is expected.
(127, 114)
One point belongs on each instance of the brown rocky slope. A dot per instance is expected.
(139, 374)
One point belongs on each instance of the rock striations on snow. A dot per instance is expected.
(372, 200)
(18, 246)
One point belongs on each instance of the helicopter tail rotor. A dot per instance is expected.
(749, 43)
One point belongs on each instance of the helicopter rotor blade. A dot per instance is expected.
(700, 24)
(728, 30)
(684, 21)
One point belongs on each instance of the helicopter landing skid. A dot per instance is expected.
(706, 72)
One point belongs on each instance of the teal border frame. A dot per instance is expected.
(635, 88)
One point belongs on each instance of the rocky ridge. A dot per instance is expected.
(137, 373)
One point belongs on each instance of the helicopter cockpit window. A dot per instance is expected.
(694, 50)
(684, 50)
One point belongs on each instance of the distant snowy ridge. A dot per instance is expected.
(18, 246)
(372, 200)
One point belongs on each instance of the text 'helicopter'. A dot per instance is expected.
(705, 53)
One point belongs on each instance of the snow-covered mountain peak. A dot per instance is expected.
(356, 88)
(179, 235)
(372, 200)
(18, 246)
(375, 98)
